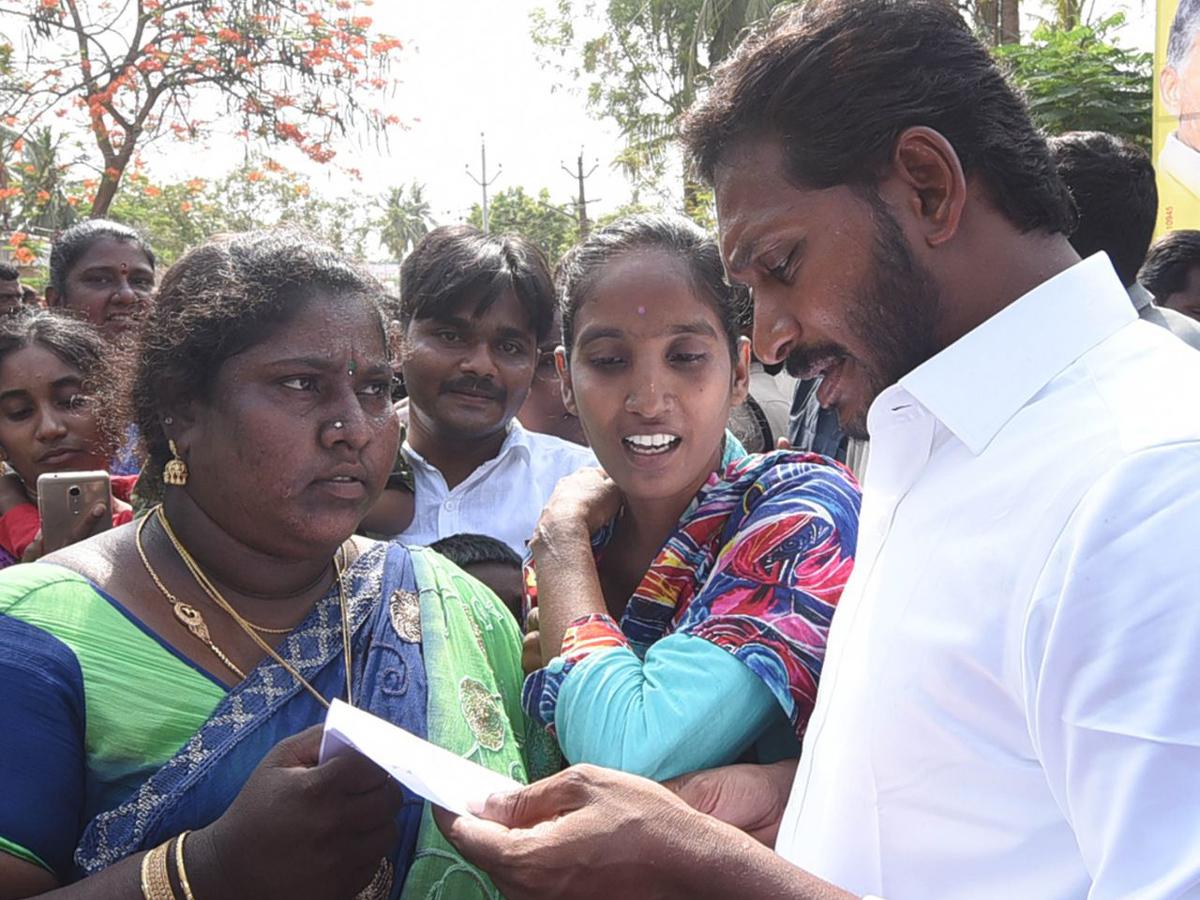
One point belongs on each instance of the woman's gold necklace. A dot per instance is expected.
(185, 613)
(192, 619)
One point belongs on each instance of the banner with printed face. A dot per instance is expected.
(1176, 141)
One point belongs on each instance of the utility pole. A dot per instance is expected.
(581, 203)
(484, 182)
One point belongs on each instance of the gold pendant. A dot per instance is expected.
(190, 616)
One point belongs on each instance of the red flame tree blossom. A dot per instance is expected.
(296, 73)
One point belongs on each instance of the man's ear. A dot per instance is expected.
(1168, 89)
(564, 379)
(741, 373)
(53, 298)
(927, 179)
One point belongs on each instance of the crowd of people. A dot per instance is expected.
(600, 529)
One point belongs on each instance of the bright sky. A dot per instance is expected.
(471, 67)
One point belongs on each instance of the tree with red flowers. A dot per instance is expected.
(296, 72)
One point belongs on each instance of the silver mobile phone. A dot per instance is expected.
(64, 499)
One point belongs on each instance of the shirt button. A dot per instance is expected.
(450, 505)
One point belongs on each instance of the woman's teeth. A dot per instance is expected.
(651, 444)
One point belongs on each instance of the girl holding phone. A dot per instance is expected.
(49, 423)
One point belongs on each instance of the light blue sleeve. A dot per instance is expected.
(690, 705)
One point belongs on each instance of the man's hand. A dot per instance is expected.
(751, 798)
(583, 833)
(594, 833)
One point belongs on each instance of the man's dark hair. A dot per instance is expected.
(1171, 257)
(459, 265)
(8, 273)
(476, 550)
(1182, 35)
(837, 81)
(1112, 182)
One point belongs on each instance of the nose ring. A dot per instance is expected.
(339, 425)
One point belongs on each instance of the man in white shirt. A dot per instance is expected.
(1008, 701)
(473, 308)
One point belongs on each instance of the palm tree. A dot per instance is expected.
(1065, 14)
(719, 27)
(999, 21)
(404, 218)
(42, 203)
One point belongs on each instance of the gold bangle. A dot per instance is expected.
(180, 869)
(156, 878)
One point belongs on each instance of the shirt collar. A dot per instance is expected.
(1142, 298)
(516, 438)
(983, 379)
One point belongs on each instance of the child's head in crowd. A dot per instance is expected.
(488, 560)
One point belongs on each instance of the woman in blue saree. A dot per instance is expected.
(159, 683)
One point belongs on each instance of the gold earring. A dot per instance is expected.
(176, 471)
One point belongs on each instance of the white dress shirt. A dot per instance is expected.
(1010, 701)
(1179, 161)
(502, 498)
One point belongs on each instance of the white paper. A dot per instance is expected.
(439, 776)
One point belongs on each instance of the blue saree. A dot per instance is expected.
(400, 603)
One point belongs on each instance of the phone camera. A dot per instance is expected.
(74, 490)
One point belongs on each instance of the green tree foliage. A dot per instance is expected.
(643, 67)
(34, 194)
(548, 225)
(1080, 79)
(403, 217)
(995, 21)
(289, 73)
(257, 194)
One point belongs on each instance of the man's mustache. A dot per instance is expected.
(802, 359)
(477, 387)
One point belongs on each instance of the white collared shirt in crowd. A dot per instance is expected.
(502, 498)
(1010, 701)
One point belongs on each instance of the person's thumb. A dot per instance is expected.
(303, 749)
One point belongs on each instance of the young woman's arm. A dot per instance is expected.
(746, 649)
(690, 705)
(562, 552)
